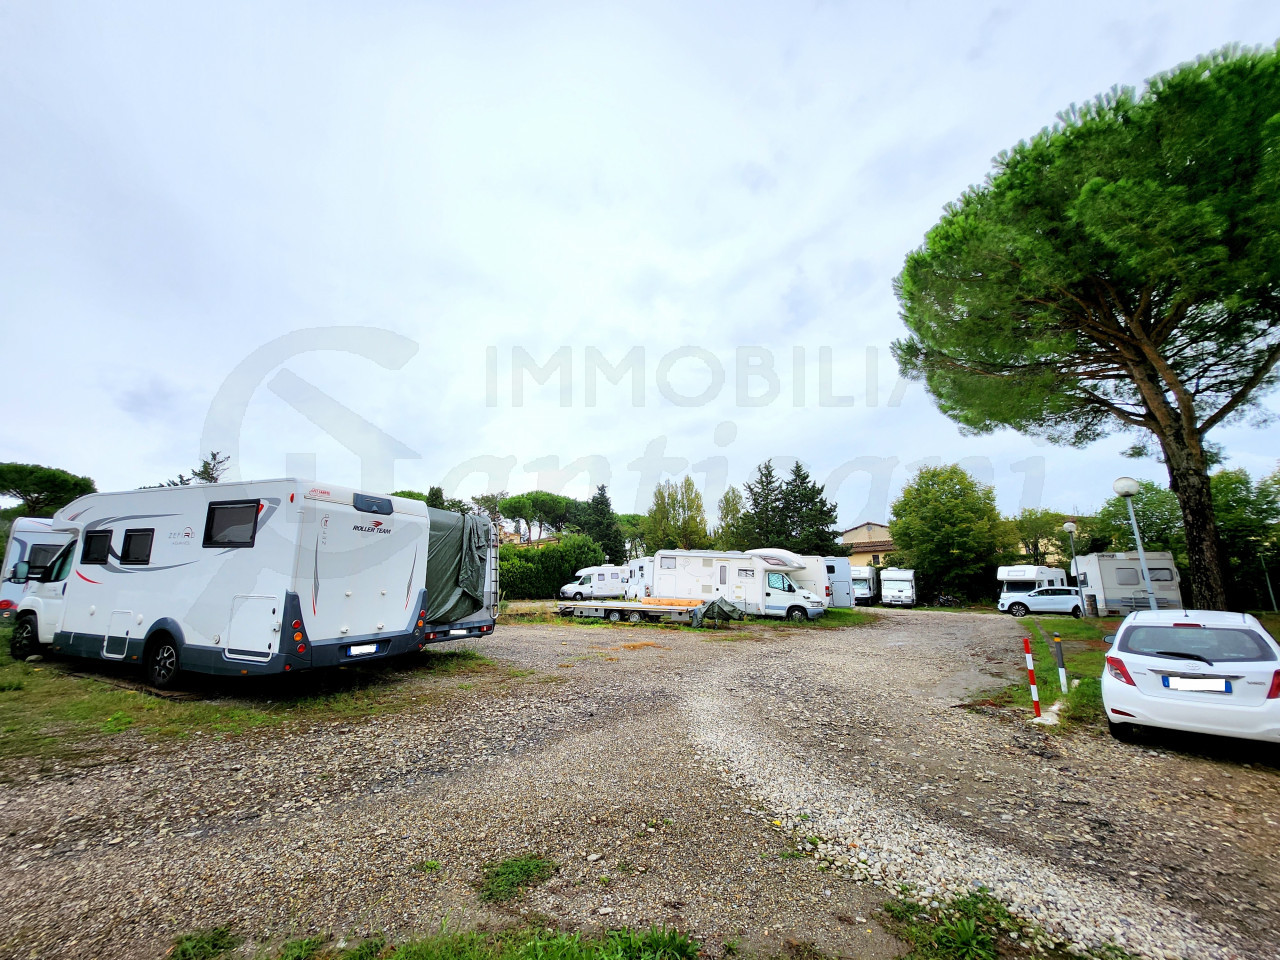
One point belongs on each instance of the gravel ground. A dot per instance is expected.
(660, 760)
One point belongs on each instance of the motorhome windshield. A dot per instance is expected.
(1019, 586)
(40, 556)
(865, 585)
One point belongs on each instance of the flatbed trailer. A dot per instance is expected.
(649, 610)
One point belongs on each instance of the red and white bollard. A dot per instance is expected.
(1031, 672)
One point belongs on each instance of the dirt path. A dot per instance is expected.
(650, 765)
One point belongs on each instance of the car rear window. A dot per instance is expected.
(1219, 644)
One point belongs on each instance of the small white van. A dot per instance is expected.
(595, 583)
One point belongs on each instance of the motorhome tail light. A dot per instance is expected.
(298, 635)
(423, 614)
(486, 629)
(828, 589)
(420, 622)
(1117, 669)
(1274, 692)
(302, 648)
(297, 624)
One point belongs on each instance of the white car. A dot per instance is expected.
(1203, 671)
(1044, 600)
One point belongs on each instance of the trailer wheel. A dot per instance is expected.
(614, 616)
(797, 615)
(1018, 610)
(23, 642)
(161, 662)
(634, 616)
(578, 595)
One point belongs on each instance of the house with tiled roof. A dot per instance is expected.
(869, 543)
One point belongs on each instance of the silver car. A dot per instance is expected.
(1044, 600)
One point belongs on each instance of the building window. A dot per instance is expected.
(875, 559)
(137, 546)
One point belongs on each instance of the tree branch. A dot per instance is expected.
(1242, 394)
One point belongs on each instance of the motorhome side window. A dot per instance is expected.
(231, 524)
(137, 546)
(777, 581)
(1161, 573)
(97, 547)
(1127, 576)
(746, 574)
(60, 568)
(668, 563)
(1082, 579)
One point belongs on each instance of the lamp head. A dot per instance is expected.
(1126, 487)
(1070, 526)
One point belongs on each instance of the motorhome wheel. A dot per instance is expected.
(797, 615)
(578, 595)
(22, 642)
(162, 663)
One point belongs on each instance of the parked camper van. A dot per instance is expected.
(898, 587)
(639, 579)
(808, 573)
(760, 586)
(257, 577)
(866, 585)
(1111, 583)
(32, 539)
(1018, 580)
(841, 580)
(599, 582)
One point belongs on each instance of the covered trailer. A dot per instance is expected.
(257, 577)
(1112, 584)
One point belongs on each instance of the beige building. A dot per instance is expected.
(869, 543)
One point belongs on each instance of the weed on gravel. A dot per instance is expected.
(204, 944)
(510, 878)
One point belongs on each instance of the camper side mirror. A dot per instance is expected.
(21, 572)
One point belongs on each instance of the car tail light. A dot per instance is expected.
(1121, 713)
(1117, 669)
(7, 604)
(1274, 692)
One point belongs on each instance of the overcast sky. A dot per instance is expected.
(190, 194)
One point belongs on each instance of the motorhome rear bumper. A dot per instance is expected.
(444, 632)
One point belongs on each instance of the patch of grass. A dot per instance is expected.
(46, 712)
(510, 878)
(791, 855)
(835, 618)
(427, 866)
(966, 928)
(366, 950)
(305, 949)
(207, 944)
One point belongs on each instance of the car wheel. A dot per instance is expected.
(614, 616)
(1018, 610)
(797, 615)
(162, 662)
(578, 595)
(1077, 612)
(635, 616)
(23, 642)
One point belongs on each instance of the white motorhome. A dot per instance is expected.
(258, 577)
(840, 577)
(1023, 579)
(1112, 585)
(898, 587)
(866, 584)
(599, 582)
(759, 585)
(34, 540)
(639, 579)
(808, 573)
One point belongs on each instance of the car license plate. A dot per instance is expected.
(362, 648)
(1206, 684)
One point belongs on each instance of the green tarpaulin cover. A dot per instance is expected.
(455, 565)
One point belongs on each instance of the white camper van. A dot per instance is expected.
(32, 539)
(1111, 583)
(866, 584)
(808, 573)
(1023, 579)
(599, 582)
(639, 579)
(258, 577)
(759, 585)
(841, 580)
(898, 587)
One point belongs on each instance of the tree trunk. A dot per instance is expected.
(1189, 481)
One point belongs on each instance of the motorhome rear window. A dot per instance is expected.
(232, 523)
(1161, 573)
(97, 547)
(668, 563)
(1127, 576)
(137, 546)
(831, 568)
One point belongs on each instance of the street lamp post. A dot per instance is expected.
(1070, 527)
(1128, 487)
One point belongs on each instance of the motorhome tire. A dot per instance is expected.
(22, 642)
(1018, 610)
(797, 615)
(578, 595)
(161, 661)
(1077, 612)
(614, 616)
(635, 616)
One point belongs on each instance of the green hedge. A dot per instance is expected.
(538, 573)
